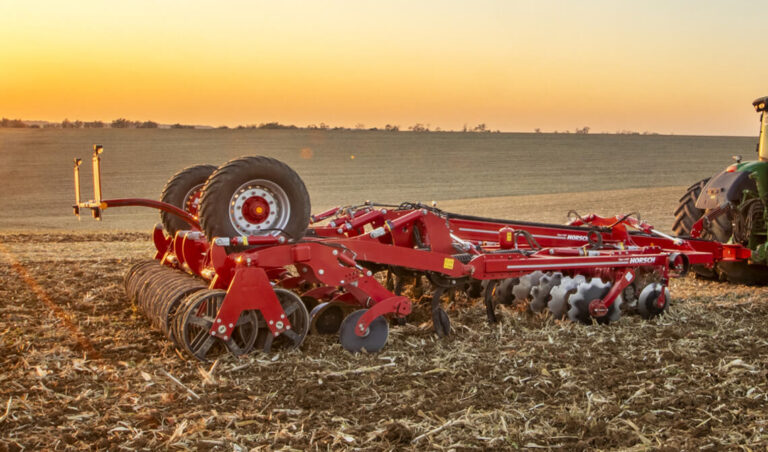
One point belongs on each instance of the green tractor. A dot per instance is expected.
(730, 207)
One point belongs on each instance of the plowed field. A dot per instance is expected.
(82, 368)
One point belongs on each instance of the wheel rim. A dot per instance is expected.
(290, 339)
(259, 207)
(196, 322)
(192, 200)
(373, 341)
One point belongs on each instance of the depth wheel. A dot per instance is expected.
(646, 302)
(194, 321)
(327, 318)
(374, 339)
(297, 315)
(184, 191)
(254, 196)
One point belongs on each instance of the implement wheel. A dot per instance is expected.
(290, 339)
(371, 342)
(254, 196)
(184, 191)
(193, 321)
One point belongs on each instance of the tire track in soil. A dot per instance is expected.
(65, 317)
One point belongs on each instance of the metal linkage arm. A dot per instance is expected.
(97, 204)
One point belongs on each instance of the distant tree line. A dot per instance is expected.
(12, 123)
(122, 123)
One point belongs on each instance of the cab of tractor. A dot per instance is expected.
(730, 207)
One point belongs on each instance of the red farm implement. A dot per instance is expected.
(242, 265)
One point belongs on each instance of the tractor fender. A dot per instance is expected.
(725, 187)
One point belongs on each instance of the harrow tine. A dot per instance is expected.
(488, 299)
(440, 321)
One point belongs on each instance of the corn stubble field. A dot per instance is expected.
(82, 368)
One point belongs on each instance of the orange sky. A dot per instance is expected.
(685, 67)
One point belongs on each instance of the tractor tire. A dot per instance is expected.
(183, 190)
(254, 196)
(686, 213)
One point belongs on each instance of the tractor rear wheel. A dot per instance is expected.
(254, 196)
(184, 191)
(686, 213)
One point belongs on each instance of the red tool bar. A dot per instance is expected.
(249, 240)
(489, 266)
(323, 215)
(545, 235)
(399, 222)
(361, 220)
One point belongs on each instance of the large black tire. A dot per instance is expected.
(181, 191)
(263, 183)
(686, 213)
(720, 229)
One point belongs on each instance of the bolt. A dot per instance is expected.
(222, 329)
(231, 326)
(218, 320)
(226, 338)
(288, 327)
(340, 231)
(279, 325)
(335, 252)
(361, 327)
(282, 316)
(369, 273)
(213, 333)
(304, 270)
(271, 322)
(321, 272)
(341, 282)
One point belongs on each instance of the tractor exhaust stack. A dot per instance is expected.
(761, 105)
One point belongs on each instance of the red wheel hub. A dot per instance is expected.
(255, 209)
(193, 202)
(597, 308)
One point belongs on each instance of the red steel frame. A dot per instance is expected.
(338, 257)
(339, 254)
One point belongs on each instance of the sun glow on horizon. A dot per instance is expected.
(683, 67)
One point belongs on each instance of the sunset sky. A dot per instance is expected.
(683, 67)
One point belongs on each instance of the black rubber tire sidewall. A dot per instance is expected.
(218, 191)
(687, 213)
(176, 190)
